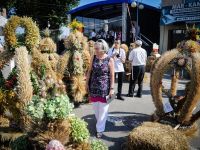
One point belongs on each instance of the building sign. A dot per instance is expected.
(189, 11)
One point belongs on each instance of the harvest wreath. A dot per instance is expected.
(32, 35)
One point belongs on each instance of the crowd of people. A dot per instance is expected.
(114, 33)
(108, 65)
(108, 36)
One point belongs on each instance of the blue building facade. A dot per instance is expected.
(174, 17)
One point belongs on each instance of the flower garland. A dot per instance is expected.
(32, 35)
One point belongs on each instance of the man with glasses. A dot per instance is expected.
(119, 56)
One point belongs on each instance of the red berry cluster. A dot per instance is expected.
(10, 83)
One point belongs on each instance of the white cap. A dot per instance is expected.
(138, 42)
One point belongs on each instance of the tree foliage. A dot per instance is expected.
(42, 11)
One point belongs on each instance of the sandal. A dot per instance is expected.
(99, 134)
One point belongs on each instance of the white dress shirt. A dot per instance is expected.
(119, 67)
(138, 56)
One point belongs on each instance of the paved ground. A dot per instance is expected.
(125, 115)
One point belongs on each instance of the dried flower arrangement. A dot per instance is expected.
(183, 107)
(35, 98)
(32, 33)
(46, 55)
(78, 62)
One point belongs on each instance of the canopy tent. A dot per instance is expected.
(104, 9)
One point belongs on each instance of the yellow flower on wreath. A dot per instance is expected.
(32, 35)
(75, 25)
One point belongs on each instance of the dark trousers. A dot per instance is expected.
(120, 82)
(137, 76)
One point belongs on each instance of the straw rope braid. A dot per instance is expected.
(25, 89)
(156, 79)
(194, 93)
(174, 83)
(63, 64)
(78, 90)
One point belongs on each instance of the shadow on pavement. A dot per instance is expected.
(118, 125)
(91, 120)
(135, 120)
(146, 92)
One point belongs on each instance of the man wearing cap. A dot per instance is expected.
(138, 57)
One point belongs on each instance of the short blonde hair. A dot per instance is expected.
(104, 45)
(125, 47)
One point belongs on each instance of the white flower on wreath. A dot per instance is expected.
(55, 145)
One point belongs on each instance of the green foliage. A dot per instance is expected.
(43, 71)
(21, 39)
(2, 80)
(58, 107)
(20, 143)
(54, 108)
(10, 82)
(12, 74)
(36, 107)
(79, 131)
(43, 10)
(7, 3)
(98, 145)
(35, 83)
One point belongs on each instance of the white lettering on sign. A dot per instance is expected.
(178, 6)
(187, 18)
(188, 11)
(194, 4)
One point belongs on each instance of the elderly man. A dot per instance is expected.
(138, 57)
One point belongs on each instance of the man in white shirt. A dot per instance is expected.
(119, 56)
(138, 57)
